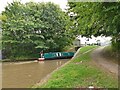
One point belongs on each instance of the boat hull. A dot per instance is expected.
(55, 58)
(41, 59)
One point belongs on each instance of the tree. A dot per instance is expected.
(101, 18)
(31, 27)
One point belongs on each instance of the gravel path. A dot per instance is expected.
(104, 62)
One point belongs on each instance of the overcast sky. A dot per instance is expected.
(62, 3)
(103, 39)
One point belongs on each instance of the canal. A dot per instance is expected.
(26, 74)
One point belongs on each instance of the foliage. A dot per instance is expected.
(100, 18)
(31, 27)
(0, 40)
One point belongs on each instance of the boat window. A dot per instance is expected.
(60, 54)
(57, 54)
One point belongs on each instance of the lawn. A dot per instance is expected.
(80, 73)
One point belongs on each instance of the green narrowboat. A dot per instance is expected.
(57, 55)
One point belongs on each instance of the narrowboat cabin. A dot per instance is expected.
(56, 55)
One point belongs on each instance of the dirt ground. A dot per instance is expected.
(103, 62)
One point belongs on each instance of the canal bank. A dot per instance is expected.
(80, 72)
(79, 51)
(18, 60)
(45, 79)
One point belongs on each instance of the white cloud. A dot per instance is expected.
(3, 4)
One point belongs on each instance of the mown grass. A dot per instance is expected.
(86, 48)
(79, 73)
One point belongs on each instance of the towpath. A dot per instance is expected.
(103, 62)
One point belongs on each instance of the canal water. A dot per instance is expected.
(26, 74)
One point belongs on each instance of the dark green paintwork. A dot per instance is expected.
(54, 55)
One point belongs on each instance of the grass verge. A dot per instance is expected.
(80, 73)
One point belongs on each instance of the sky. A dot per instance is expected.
(103, 40)
(61, 3)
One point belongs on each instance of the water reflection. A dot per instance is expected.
(26, 74)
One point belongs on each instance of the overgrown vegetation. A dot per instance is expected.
(80, 73)
(29, 28)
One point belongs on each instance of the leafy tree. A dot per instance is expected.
(31, 27)
(100, 18)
